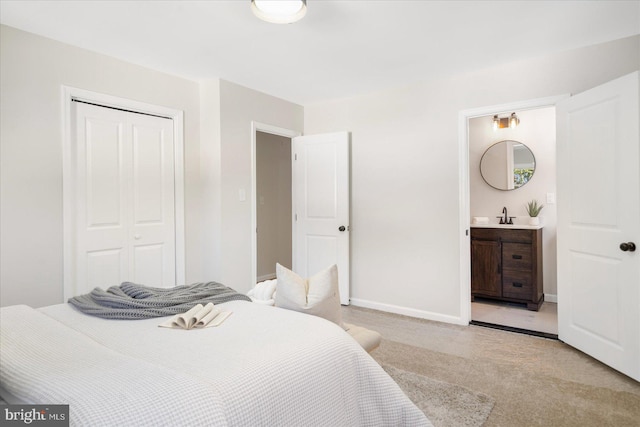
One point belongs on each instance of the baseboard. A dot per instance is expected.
(264, 277)
(551, 298)
(406, 311)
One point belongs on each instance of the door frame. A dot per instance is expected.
(463, 182)
(273, 130)
(70, 94)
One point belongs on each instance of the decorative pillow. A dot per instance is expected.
(317, 295)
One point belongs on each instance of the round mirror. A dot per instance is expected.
(507, 165)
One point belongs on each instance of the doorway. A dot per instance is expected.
(271, 223)
(597, 272)
(320, 194)
(484, 203)
(273, 204)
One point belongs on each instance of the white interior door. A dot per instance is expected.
(321, 206)
(124, 198)
(598, 210)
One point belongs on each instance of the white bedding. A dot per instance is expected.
(263, 366)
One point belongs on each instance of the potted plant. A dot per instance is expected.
(533, 209)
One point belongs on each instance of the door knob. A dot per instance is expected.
(629, 246)
(342, 228)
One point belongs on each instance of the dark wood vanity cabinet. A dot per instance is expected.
(506, 264)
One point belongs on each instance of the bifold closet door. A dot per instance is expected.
(124, 199)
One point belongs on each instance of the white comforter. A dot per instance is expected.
(263, 366)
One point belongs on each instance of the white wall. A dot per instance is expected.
(211, 180)
(32, 71)
(239, 106)
(405, 161)
(537, 131)
(405, 164)
(217, 160)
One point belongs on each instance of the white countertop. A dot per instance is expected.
(513, 226)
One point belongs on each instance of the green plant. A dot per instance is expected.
(533, 208)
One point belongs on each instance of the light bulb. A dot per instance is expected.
(279, 11)
(513, 121)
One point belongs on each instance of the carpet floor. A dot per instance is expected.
(445, 404)
(534, 381)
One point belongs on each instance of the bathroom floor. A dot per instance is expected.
(516, 316)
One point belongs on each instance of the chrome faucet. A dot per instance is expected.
(505, 219)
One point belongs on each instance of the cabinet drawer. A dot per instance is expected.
(516, 256)
(516, 284)
(504, 234)
(486, 233)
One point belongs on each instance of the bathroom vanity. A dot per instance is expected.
(506, 263)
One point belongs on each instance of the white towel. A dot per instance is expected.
(264, 292)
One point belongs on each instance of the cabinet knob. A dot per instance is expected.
(342, 228)
(628, 246)
(137, 236)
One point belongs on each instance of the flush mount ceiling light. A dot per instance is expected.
(279, 11)
(505, 122)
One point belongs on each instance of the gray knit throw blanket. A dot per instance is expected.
(130, 301)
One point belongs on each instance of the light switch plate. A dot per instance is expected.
(551, 198)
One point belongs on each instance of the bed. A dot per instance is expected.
(264, 366)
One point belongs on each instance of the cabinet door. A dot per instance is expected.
(486, 275)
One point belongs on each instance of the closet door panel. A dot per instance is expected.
(124, 199)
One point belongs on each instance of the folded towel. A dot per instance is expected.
(263, 292)
(480, 220)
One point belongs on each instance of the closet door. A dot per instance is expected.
(124, 198)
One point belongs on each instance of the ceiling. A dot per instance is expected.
(340, 48)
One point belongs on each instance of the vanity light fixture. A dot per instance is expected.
(505, 122)
(513, 121)
(279, 11)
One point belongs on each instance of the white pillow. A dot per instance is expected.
(317, 295)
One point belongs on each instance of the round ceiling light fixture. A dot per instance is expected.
(279, 11)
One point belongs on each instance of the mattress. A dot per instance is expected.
(264, 366)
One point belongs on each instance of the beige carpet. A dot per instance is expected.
(445, 404)
(534, 381)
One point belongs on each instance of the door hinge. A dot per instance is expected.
(295, 156)
(296, 217)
